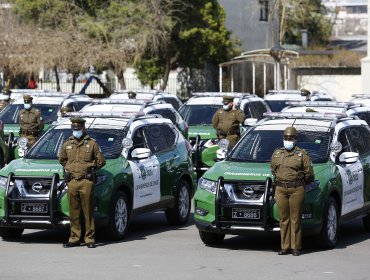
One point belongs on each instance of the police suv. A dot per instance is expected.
(236, 195)
(277, 99)
(148, 168)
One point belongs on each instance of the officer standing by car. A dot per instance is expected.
(227, 121)
(81, 157)
(30, 120)
(292, 169)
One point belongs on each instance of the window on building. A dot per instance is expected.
(264, 10)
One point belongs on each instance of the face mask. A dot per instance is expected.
(77, 133)
(27, 106)
(226, 107)
(289, 145)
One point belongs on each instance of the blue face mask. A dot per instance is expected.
(77, 133)
(27, 106)
(289, 145)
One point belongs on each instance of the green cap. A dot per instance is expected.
(290, 131)
(131, 95)
(27, 98)
(305, 92)
(77, 123)
(227, 99)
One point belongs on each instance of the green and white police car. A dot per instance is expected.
(148, 168)
(236, 196)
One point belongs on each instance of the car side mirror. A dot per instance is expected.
(250, 122)
(141, 153)
(348, 157)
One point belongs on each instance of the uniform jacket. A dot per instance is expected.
(79, 156)
(294, 165)
(227, 122)
(31, 120)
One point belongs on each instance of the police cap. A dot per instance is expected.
(290, 131)
(227, 99)
(27, 98)
(77, 123)
(305, 92)
(65, 109)
(131, 95)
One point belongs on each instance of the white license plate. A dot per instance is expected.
(34, 208)
(242, 213)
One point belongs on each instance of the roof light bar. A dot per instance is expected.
(121, 101)
(315, 115)
(219, 94)
(320, 103)
(41, 94)
(361, 95)
(290, 91)
(104, 114)
(4, 97)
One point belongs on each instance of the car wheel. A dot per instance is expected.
(210, 238)
(11, 233)
(366, 222)
(329, 231)
(119, 217)
(179, 214)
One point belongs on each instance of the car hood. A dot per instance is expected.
(204, 131)
(248, 170)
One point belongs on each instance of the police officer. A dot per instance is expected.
(81, 157)
(131, 95)
(306, 93)
(226, 121)
(30, 120)
(292, 169)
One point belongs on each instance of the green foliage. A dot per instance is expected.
(305, 14)
(149, 71)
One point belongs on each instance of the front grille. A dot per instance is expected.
(32, 187)
(242, 192)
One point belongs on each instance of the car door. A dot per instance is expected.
(352, 174)
(161, 140)
(145, 173)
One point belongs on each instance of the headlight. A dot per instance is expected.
(207, 185)
(3, 181)
(101, 179)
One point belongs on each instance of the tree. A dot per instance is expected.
(296, 15)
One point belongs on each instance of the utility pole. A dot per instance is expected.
(365, 62)
(277, 51)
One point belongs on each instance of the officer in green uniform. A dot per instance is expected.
(292, 169)
(81, 157)
(30, 120)
(131, 95)
(226, 121)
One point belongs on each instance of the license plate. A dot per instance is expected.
(34, 208)
(242, 213)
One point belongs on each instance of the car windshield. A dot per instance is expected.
(9, 114)
(277, 105)
(198, 114)
(259, 145)
(110, 142)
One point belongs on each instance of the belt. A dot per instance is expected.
(29, 132)
(289, 184)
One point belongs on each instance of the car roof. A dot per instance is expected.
(57, 100)
(112, 108)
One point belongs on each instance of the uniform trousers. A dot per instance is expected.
(290, 203)
(81, 197)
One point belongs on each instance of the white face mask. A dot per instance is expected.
(289, 145)
(77, 133)
(27, 106)
(226, 107)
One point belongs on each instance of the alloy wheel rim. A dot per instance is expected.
(183, 202)
(121, 215)
(332, 223)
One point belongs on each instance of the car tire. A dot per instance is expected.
(366, 222)
(210, 238)
(11, 233)
(179, 214)
(119, 217)
(329, 231)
